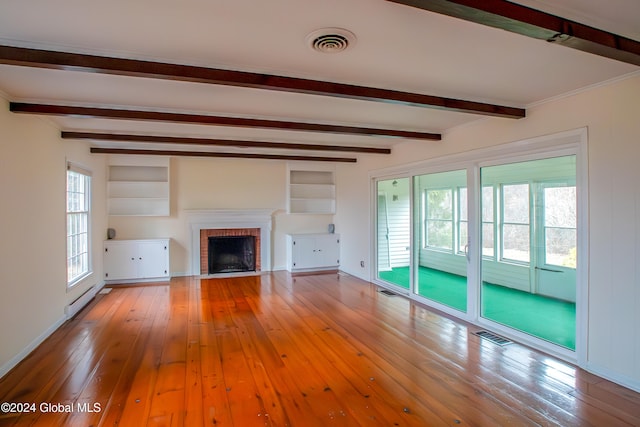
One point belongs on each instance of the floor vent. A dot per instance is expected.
(388, 293)
(493, 338)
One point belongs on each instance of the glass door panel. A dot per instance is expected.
(528, 275)
(393, 231)
(441, 238)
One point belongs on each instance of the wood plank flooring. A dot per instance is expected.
(272, 350)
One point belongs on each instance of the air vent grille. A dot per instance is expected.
(493, 338)
(331, 40)
(388, 293)
(330, 43)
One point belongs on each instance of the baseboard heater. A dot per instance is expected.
(79, 303)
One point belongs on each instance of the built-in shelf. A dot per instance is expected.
(311, 191)
(138, 186)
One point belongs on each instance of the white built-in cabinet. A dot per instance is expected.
(138, 186)
(136, 260)
(311, 190)
(313, 252)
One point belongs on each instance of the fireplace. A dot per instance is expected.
(229, 243)
(230, 224)
(231, 254)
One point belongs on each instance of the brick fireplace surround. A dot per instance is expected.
(225, 232)
(227, 222)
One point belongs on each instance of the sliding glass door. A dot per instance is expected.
(441, 238)
(529, 275)
(492, 239)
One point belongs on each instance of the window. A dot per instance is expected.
(439, 219)
(78, 202)
(560, 234)
(515, 222)
(488, 230)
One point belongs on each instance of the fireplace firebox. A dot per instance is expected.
(229, 254)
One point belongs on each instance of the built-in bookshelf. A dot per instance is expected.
(138, 186)
(311, 191)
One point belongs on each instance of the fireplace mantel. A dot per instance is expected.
(230, 218)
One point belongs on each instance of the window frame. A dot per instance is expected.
(503, 222)
(451, 221)
(82, 247)
(542, 187)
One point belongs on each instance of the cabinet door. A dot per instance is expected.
(120, 261)
(152, 259)
(304, 252)
(328, 251)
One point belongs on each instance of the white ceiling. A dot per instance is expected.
(397, 47)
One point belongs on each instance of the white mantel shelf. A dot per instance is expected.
(210, 219)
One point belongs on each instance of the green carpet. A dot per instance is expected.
(547, 318)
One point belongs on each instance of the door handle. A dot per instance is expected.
(551, 270)
(466, 252)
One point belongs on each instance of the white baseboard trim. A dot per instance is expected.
(615, 377)
(130, 281)
(32, 346)
(181, 274)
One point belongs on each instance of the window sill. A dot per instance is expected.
(78, 280)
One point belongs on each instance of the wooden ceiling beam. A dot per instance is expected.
(112, 113)
(534, 23)
(218, 142)
(158, 70)
(97, 150)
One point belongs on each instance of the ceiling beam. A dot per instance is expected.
(218, 142)
(188, 73)
(530, 22)
(97, 150)
(112, 113)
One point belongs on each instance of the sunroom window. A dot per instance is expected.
(439, 219)
(515, 222)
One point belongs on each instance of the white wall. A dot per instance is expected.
(612, 115)
(198, 183)
(33, 291)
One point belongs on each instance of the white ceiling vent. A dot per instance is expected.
(331, 40)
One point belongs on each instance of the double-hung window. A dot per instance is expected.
(560, 225)
(78, 220)
(439, 219)
(515, 222)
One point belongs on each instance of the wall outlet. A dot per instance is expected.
(362, 264)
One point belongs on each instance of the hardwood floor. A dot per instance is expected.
(273, 350)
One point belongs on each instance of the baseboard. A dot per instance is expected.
(32, 346)
(80, 302)
(166, 279)
(180, 274)
(615, 377)
(314, 272)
